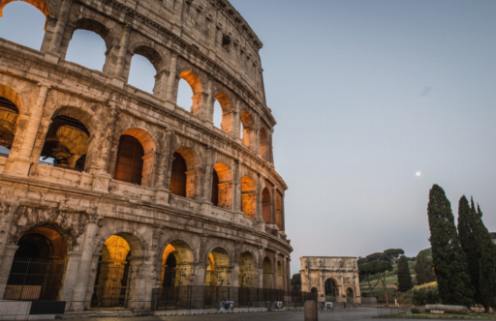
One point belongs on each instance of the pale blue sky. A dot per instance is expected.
(367, 93)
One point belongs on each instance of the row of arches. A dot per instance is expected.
(69, 140)
(41, 259)
(145, 67)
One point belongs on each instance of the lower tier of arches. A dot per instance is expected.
(91, 261)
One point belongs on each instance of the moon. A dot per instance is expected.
(418, 173)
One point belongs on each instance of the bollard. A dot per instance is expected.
(311, 311)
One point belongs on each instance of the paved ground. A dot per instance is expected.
(358, 314)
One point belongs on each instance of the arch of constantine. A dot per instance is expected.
(108, 192)
(332, 278)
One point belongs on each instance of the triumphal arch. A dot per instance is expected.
(111, 196)
(331, 278)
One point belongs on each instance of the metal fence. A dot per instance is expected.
(32, 279)
(208, 297)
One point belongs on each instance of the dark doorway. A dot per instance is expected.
(129, 164)
(38, 266)
(178, 176)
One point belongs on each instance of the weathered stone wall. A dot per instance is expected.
(342, 271)
(207, 39)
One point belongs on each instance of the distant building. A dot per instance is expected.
(333, 278)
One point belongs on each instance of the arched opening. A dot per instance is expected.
(116, 271)
(246, 128)
(331, 290)
(129, 164)
(268, 275)
(87, 47)
(179, 175)
(248, 196)
(217, 114)
(218, 270)
(8, 121)
(223, 116)
(38, 267)
(23, 22)
(350, 295)
(189, 93)
(264, 148)
(142, 73)
(177, 260)
(135, 157)
(182, 181)
(247, 271)
(279, 211)
(66, 143)
(222, 186)
(267, 206)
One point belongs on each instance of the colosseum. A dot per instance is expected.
(111, 196)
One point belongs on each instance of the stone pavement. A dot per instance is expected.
(357, 314)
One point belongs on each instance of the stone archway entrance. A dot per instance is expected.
(38, 267)
(115, 273)
(331, 290)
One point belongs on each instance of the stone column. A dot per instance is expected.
(53, 35)
(7, 211)
(236, 121)
(120, 67)
(198, 285)
(5, 266)
(258, 200)
(160, 89)
(70, 278)
(236, 187)
(172, 81)
(83, 274)
(162, 169)
(141, 285)
(207, 172)
(19, 161)
(273, 200)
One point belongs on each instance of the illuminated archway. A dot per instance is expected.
(267, 206)
(247, 132)
(135, 157)
(177, 264)
(248, 196)
(183, 173)
(66, 143)
(247, 271)
(190, 91)
(218, 270)
(223, 116)
(264, 147)
(39, 265)
(222, 186)
(8, 121)
(117, 271)
(268, 275)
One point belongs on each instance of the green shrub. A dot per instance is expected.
(426, 296)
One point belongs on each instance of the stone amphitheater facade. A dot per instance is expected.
(117, 192)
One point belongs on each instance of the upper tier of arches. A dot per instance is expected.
(209, 99)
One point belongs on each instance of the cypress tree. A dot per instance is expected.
(404, 277)
(467, 222)
(423, 267)
(487, 262)
(448, 257)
